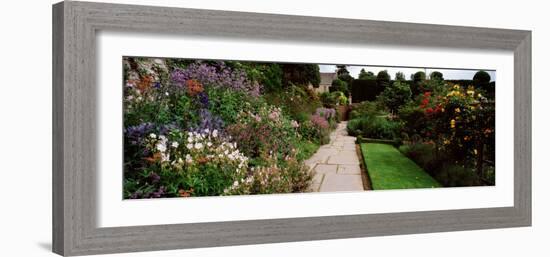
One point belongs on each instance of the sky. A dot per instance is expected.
(447, 73)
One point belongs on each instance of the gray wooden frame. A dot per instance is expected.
(74, 128)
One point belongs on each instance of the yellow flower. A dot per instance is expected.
(446, 142)
(453, 123)
(457, 109)
(475, 151)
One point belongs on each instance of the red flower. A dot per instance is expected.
(429, 111)
(427, 93)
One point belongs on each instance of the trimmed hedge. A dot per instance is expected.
(365, 90)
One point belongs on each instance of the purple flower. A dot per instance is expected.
(319, 121)
(203, 99)
(154, 177)
(208, 121)
(136, 133)
(327, 113)
(215, 75)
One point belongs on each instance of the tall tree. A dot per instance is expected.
(400, 76)
(383, 78)
(436, 75)
(363, 74)
(342, 70)
(301, 74)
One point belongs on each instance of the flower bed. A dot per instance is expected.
(196, 128)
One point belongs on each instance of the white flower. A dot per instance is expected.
(167, 94)
(236, 183)
(206, 131)
(189, 146)
(209, 144)
(198, 146)
(161, 147)
(175, 144)
(152, 135)
(180, 160)
(190, 139)
(215, 133)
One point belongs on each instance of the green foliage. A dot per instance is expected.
(367, 108)
(268, 75)
(445, 172)
(374, 127)
(301, 74)
(366, 75)
(400, 76)
(436, 75)
(365, 90)
(396, 95)
(419, 77)
(313, 133)
(295, 101)
(334, 98)
(227, 104)
(339, 85)
(481, 77)
(413, 118)
(383, 78)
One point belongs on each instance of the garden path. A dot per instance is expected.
(336, 164)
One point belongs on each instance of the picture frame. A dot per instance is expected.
(75, 25)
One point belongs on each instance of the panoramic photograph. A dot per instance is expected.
(219, 127)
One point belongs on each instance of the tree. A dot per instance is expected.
(339, 85)
(481, 78)
(383, 78)
(301, 74)
(366, 75)
(341, 70)
(419, 77)
(396, 95)
(436, 75)
(400, 76)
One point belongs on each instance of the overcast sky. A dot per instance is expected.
(447, 73)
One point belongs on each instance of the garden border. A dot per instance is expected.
(75, 25)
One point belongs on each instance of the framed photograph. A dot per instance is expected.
(183, 128)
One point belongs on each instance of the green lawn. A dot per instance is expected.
(389, 169)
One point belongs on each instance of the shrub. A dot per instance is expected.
(294, 101)
(436, 75)
(292, 176)
(186, 164)
(374, 127)
(396, 95)
(339, 85)
(264, 131)
(383, 78)
(367, 108)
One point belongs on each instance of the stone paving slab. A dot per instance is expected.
(349, 169)
(336, 164)
(336, 182)
(326, 168)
